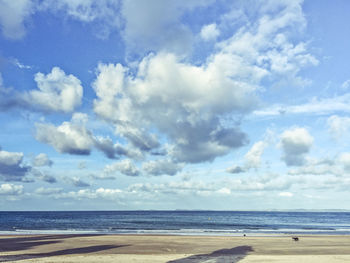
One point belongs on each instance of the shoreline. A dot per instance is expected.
(160, 233)
(173, 248)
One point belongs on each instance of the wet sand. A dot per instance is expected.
(175, 249)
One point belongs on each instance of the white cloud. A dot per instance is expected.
(286, 194)
(12, 167)
(106, 146)
(57, 92)
(18, 64)
(338, 126)
(224, 191)
(102, 15)
(11, 189)
(266, 44)
(108, 193)
(102, 176)
(42, 160)
(10, 158)
(344, 159)
(226, 186)
(73, 137)
(191, 101)
(43, 176)
(184, 104)
(48, 191)
(267, 182)
(161, 167)
(82, 10)
(323, 167)
(156, 24)
(252, 159)
(125, 167)
(253, 156)
(280, 185)
(13, 15)
(139, 138)
(295, 143)
(113, 151)
(69, 137)
(209, 32)
(105, 193)
(78, 182)
(319, 106)
(235, 169)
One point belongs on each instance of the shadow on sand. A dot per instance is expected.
(231, 255)
(28, 242)
(24, 243)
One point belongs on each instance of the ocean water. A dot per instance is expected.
(175, 222)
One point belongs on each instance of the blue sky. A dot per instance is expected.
(168, 104)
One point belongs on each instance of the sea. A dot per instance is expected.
(219, 223)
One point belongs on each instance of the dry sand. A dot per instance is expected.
(175, 249)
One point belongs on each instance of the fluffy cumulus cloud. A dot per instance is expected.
(295, 143)
(56, 92)
(168, 99)
(13, 15)
(12, 167)
(73, 137)
(126, 167)
(115, 150)
(42, 160)
(168, 107)
(11, 189)
(165, 95)
(70, 137)
(161, 167)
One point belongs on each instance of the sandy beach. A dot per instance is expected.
(173, 249)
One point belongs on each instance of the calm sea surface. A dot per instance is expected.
(175, 222)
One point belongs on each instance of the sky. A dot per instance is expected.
(167, 104)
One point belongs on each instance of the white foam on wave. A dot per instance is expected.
(47, 232)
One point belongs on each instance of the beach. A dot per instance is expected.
(173, 249)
